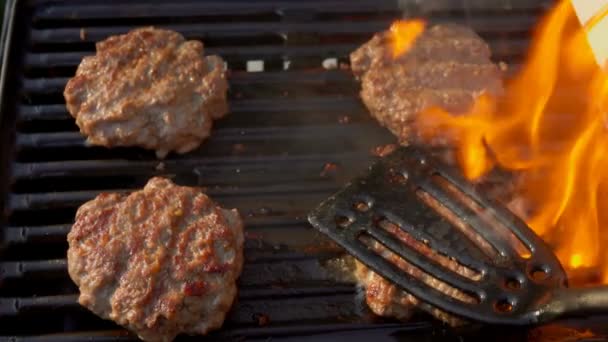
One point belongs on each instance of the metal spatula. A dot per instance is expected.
(419, 224)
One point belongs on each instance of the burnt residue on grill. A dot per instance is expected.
(294, 113)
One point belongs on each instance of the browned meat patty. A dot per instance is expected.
(149, 88)
(447, 66)
(161, 261)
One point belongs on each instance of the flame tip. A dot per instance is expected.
(404, 34)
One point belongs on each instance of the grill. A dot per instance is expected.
(296, 132)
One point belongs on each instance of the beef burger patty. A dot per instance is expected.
(149, 88)
(161, 261)
(448, 66)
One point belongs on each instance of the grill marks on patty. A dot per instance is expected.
(149, 88)
(448, 66)
(161, 261)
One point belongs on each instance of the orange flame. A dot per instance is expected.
(551, 126)
(404, 33)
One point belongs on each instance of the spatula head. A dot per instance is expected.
(422, 226)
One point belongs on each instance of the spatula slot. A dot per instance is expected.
(378, 248)
(457, 223)
(423, 248)
(486, 215)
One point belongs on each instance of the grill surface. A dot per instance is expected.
(296, 132)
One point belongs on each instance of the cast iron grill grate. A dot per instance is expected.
(296, 132)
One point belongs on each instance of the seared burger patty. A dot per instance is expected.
(149, 88)
(161, 261)
(447, 66)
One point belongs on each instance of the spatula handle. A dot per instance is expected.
(574, 302)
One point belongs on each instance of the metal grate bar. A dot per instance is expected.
(306, 167)
(223, 135)
(32, 235)
(231, 53)
(319, 307)
(483, 25)
(261, 233)
(308, 273)
(501, 49)
(75, 198)
(219, 30)
(193, 8)
(313, 331)
(236, 79)
(60, 12)
(270, 242)
(258, 106)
